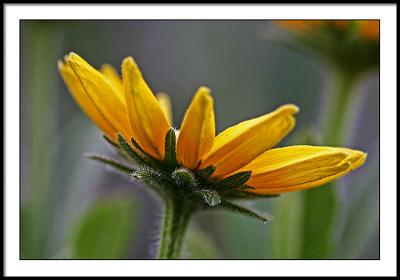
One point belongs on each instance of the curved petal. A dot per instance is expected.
(238, 145)
(166, 105)
(114, 79)
(149, 124)
(101, 94)
(301, 167)
(197, 132)
(80, 97)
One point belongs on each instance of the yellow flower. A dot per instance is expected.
(128, 106)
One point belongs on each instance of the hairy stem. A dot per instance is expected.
(175, 221)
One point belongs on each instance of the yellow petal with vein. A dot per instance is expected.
(80, 97)
(238, 145)
(114, 79)
(149, 123)
(166, 105)
(101, 94)
(197, 131)
(301, 167)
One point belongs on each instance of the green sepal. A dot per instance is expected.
(151, 178)
(146, 158)
(205, 173)
(150, 175)
(170, 148)
(125, 146)
(109, 141)
(242, 210)
(246, 187)
(234, 181)
(211, 197)
(241, 194)
(111, 162)
(184, 178)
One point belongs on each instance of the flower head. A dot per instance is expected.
(239, 161)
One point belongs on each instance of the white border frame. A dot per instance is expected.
(388, 125)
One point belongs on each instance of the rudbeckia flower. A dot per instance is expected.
(125, 108)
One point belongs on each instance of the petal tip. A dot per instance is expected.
(290, 108)
(72, 56)
(129, 62)
(204, 94)
(129, 65)
(60, 64)
(204, 90)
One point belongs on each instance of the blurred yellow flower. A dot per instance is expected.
(128, 106)
(366, 29)
(369, 29)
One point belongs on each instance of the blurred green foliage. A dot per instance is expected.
(65, 206)
(199, 245)
(105, 230)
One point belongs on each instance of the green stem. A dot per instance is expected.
(175, 221)
(338, 108)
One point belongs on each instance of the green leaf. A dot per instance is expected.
(170, 148)
(111, 162)
(124, 145)
(105, 230)
(242, 210)
(235, 180)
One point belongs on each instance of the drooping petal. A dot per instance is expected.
(148, 121)
(101, 94)
(238, 145)
(301, 167)
(166, 105)
(114, 79)
(80, 97)
(197, 131)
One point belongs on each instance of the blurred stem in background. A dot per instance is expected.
(338, 107)
(350, 48)
(321, 204)
(40, 46)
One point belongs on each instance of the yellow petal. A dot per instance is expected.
(149, 124)
(301, 167)
(114, 79)
(101, 94)
(80, 97)
(166, 106)
(197, 132)
(238, 145)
